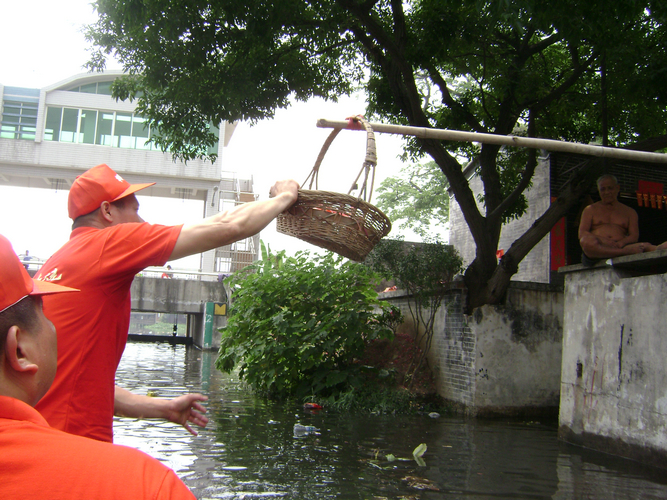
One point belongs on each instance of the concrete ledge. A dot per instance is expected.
(549, 413)
(615, 446)
(653, 262)
(170, 339)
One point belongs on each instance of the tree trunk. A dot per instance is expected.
(491, 288)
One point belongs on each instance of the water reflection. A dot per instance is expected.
(250, 449)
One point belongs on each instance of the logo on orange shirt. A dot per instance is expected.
(52, 276)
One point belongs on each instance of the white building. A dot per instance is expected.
(51, 135)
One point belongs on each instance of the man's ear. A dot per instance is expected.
(105, 211)
(17, 349)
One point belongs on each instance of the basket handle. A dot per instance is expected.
(367, 168)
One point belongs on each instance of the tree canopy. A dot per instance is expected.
(417, 199)
(574, 70)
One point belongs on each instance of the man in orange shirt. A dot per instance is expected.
(108, 246)
(36, 460)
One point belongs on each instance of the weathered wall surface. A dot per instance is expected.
(502, 360)
(614, 376)
(175, 296)
(518, 352)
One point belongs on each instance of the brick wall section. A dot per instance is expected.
(453, 352)
(501, 360)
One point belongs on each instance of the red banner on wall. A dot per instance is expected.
(558, 247)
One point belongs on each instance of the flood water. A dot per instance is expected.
(250, 448)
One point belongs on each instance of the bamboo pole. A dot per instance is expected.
(506, 140)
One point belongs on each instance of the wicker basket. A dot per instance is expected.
(345, 224)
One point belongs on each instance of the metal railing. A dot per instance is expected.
(149, 272)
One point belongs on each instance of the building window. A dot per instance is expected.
(223, 264)
(19, 113)
(87, 125)
(105, 128)
(103, 88)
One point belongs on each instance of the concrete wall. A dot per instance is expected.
(182, 297)
(175, 296)
(502, 360)
(614, 379)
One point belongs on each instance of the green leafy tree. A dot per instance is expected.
(417, 199)
(425, 272)
(563, 69)
(298, 324)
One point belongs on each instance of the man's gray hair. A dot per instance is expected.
(607, 176)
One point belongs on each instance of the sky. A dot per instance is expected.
(51, 47)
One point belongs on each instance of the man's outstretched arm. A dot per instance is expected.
(183, 410)
(234, 225)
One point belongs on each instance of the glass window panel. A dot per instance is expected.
(123, 130)
(104, 128)
(140, 127)
(8, 132)
(52, 127)
(69, 125)
(29, 111)
(28, 133)
(29, 120)
(104, 88)
(90, 88)
(140, 132)
(213, 149)
(88, 124)
(11, 110)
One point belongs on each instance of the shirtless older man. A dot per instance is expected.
(608, 228)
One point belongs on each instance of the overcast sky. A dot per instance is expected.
(42, 44)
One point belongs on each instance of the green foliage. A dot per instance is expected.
(420, 269)
(385, 400)
(417, 198)
(298, 324)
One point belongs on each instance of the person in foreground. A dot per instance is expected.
(608, 228)
(109, 244)
(37, 461)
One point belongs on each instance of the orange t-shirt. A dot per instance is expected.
(92, 325)
(39, 462)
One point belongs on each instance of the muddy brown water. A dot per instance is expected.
(250, 449)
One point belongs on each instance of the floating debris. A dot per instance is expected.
(418, 453)
(312, 406)
(419, 483)
(304, 430)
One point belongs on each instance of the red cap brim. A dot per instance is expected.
(133, 189)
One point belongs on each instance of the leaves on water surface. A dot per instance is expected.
(418, 453)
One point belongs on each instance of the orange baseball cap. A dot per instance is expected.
(16, 283)
(96, 185)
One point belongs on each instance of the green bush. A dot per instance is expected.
(298, 325)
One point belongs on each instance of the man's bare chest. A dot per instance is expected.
(617, 217)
